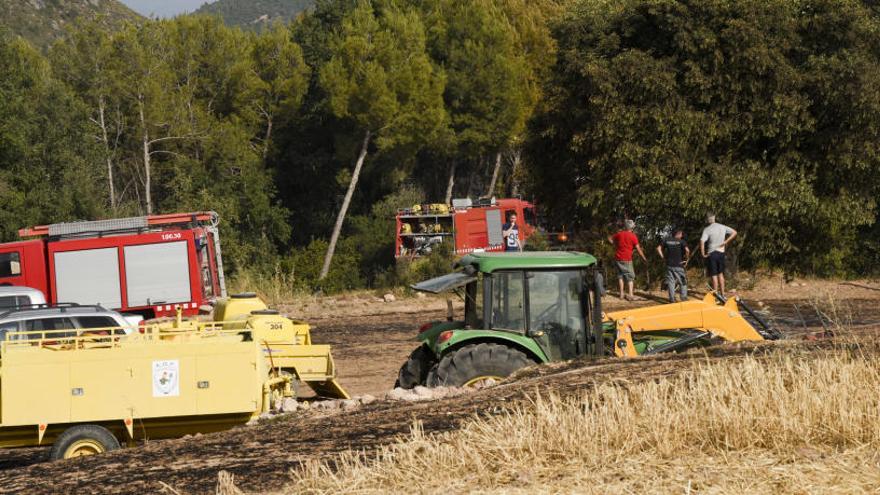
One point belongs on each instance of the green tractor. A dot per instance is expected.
(538, 307)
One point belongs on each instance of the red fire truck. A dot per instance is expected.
(146, 265)
(467, 225)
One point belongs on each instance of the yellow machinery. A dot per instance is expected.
(84, 392)
(286, 343)
(660, 328)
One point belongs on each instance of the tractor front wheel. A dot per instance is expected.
(414, 371)
(475, 365)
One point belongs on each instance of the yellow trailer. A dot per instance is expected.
(286, 343)
(86, 393)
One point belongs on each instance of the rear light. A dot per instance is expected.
(444, 336)
(425, 327)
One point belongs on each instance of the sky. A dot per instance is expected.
(164, 8)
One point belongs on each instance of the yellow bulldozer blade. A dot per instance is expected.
(330, 389)
(720, 320)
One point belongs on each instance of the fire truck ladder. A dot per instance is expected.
(100, 228)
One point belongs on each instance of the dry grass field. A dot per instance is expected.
(792, 422)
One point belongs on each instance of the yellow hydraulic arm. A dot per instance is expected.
(720, 320)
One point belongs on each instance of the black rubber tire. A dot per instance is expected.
(472, 361)
(74, 434)
(414, 371)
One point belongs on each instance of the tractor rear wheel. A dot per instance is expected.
(83, 440)
(414, 371)
(474, 365)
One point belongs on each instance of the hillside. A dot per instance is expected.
(255, 13)
(42, 21)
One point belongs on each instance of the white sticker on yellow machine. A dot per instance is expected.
(166, 378)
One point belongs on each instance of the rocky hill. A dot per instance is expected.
(42, 21)
(255, 13)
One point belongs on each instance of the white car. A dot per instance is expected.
(71, 317)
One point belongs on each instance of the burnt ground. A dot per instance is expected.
(368, 350)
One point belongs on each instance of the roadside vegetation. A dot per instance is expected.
(798, 421)
(307, 135)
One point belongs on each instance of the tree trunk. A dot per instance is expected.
(107, 153)
(451, 182)
(491, 190)
(340, 218)
(514, 183)
(267, 137)
(146, 143)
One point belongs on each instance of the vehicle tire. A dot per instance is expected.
(471, 365)
(83, 440)
(414, 371)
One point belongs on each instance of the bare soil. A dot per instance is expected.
(369, 346)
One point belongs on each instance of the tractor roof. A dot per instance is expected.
(490, 262)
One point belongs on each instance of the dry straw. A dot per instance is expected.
(793, 422)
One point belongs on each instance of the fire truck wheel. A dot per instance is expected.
(415, 370)
(83, 440)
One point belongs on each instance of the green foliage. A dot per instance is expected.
(766, 112)
(46, 156)
(487, 75)
(305, 266)
(373, 235)
(381, 78)
(537, 242)
(411, 271)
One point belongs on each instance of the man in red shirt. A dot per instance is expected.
(625, 241)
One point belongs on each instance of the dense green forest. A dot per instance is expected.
(767, 112)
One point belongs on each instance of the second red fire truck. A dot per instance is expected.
(469, 226)
(147, 265)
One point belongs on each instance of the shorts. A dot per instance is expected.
(716, 263)
(625, 270)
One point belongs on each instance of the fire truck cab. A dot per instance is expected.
(470, 226)
(146, 265)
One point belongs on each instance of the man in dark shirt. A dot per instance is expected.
(510, 231)
(676, 253)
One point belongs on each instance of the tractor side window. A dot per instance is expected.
(555, 302)
(473, 307)
(10, 264)
(508, 296)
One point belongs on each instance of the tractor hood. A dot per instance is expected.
(445, 283)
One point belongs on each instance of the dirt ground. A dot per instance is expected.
(370, 339)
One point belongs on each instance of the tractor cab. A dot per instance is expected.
(520, 308)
